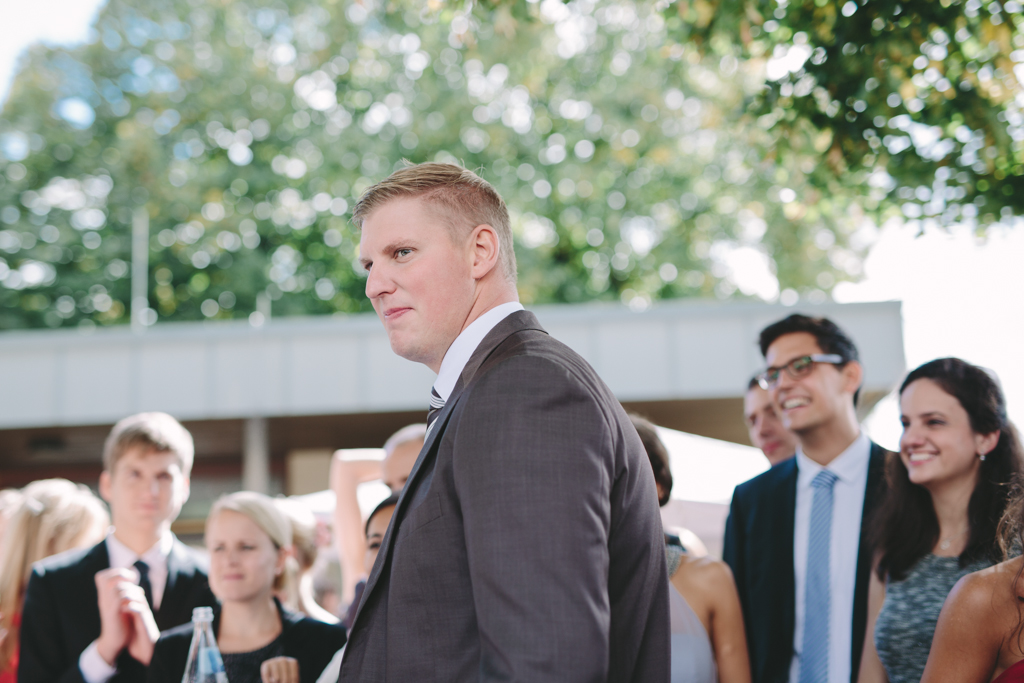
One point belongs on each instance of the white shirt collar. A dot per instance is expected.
(465, 344)
(123, 556)
(847, 466)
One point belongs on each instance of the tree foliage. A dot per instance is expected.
(925, 98)
(646, 151)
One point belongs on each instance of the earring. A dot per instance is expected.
(981, 456)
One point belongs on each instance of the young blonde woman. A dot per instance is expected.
(249, 540)
(48, 517)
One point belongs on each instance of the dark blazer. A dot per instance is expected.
(311, 642)
(61, 615)
(527, 544)
(759, 549)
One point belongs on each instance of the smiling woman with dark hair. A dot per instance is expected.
(948, 489)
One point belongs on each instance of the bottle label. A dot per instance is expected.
(211, 666)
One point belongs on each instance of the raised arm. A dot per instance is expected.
(733, 547)
(346, 476)
(534, 473)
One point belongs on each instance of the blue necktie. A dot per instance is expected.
(818, 584)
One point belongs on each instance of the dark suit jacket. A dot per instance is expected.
(759, 549)
(527, 544)
(61, 616)
(311, 642)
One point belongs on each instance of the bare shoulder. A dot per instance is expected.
(983, 594)
(705, 572)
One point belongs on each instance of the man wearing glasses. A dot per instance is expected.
(764, 425)
(796, 535)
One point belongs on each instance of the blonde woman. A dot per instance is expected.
(52, 515)
(249, 540)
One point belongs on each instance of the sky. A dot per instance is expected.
(962, 295)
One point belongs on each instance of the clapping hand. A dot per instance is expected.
(125, 617)
(280, 670)
(144, 632)
(115, 625)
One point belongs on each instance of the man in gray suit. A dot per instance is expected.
(527, 544)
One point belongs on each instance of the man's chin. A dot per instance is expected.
(410, 352)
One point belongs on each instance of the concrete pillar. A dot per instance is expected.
(256, 455)
(307, 470)
(140, 311)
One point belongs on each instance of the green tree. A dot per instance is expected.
(619, 132)
(925, 99)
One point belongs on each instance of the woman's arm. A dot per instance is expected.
(871, 669)
(728, 638)
(346, 476)
(969, 634)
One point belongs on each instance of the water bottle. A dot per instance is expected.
(204, 663)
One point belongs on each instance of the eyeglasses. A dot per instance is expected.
(797, 368)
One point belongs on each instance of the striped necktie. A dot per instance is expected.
(436, 404)
(818, 587)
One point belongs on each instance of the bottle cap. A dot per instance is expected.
(202, 614)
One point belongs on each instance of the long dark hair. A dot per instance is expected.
(656, 453)
(906, 528)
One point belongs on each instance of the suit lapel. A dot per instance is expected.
(872, 497)
(783, 544)
(98, 558)
(180, 569)
(515, 322)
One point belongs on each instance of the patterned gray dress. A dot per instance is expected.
(906, 624)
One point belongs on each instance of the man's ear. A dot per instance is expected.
(105, 491)
(187, 489)
(853, 376)
(486, 249)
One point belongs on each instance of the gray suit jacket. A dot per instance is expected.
(527, 544)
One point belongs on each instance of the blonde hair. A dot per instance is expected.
(461, 198)
(152, 431)
(54, 515)
(303, 523)
(263, 512)
(407, 434)
(9, 501)
(260, 508)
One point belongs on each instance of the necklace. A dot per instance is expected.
(945, 543)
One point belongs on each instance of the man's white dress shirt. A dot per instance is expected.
(465, 344)
(91, 664)
(851, 468)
